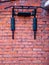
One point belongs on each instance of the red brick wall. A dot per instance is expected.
(24, 50)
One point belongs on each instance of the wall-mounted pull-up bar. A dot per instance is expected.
(33, 13)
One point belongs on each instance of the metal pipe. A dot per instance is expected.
(13, 23)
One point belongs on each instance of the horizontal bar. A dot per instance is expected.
(7, 1)
(25, 7)
(4, 1)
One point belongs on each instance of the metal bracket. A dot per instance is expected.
(33, 13)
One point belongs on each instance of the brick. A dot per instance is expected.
(24, 50)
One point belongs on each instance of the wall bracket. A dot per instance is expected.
(33, 13)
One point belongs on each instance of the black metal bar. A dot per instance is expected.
(13, 23)
(13, 12)
(12, 34)
(35, 24)
(26, 14)
(26, 7)
(35, 35)
(6, 1)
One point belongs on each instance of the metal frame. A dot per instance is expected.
(34, 8)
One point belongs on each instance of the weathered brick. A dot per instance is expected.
(24, 50)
